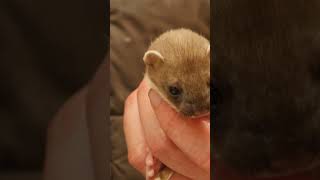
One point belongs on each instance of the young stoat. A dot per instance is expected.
(178, 68)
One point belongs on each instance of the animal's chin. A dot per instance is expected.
(204, 115)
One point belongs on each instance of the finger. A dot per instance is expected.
(191, 136)
(134, 136)
(160, 145)
(152, 165)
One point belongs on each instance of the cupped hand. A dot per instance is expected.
(179, 143)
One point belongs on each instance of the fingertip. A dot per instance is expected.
(131, 99)
(150, 173)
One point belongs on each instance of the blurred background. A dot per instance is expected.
(48, 50)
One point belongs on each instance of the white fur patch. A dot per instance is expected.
(151, 56)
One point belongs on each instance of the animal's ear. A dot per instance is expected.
(152, 57)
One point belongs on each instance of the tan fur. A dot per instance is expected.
(185, 59)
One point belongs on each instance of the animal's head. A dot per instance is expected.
(178, 64)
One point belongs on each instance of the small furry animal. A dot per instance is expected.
(266, 81)
(178, 68)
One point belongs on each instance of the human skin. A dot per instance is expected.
(181, 144)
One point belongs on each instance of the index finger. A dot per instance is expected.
(134, 133)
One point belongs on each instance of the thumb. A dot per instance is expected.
(160, 106)
(155, 99)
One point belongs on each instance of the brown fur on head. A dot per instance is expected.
(178, 67)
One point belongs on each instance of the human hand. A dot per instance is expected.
(181, 144)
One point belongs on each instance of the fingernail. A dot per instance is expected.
(150, 173)
(149, 162)
(155, 99)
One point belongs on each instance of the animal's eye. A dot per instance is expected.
(175, 91)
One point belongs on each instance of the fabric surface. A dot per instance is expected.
(133, 25)
(48, 50)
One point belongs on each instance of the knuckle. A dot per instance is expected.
(205, 163)
(170, 127)
(158, 148)
(136, 159)
(171, 123)
(130, 99)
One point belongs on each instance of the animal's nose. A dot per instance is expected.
(188, 108)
